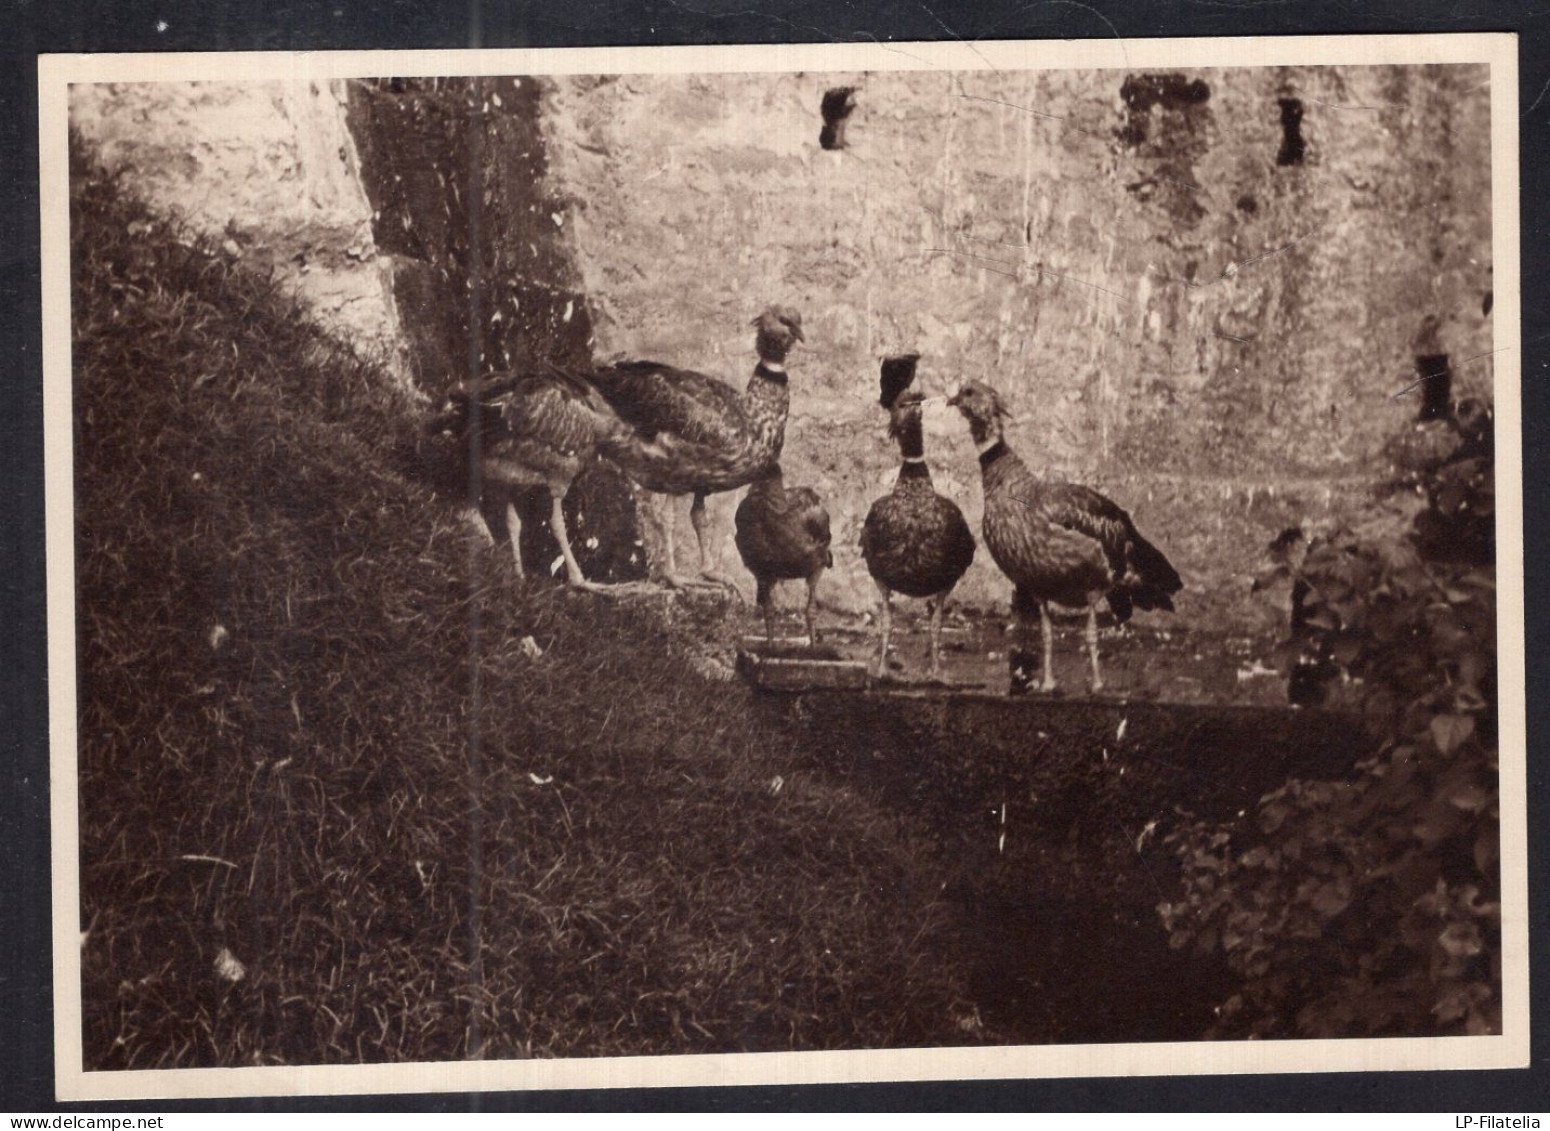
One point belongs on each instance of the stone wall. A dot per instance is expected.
(1198, 291)
(268, 169)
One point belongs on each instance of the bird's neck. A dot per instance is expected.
(912, 452)
(985, 432)
(914, 472)
(911, 437)
(772, 483)
(992, 451)
(1000, 465)
(767, 401)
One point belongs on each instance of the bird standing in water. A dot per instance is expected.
(1059, 542)
(783, 535)
(915, 541)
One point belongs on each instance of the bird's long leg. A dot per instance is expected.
(479, 516)
(810, 611)
(886, 614)
(1092, 645)
(668, 514)
(670, 575)
(514, 534)
(700, 519)
(937, 604)
(557, 524)
(1047, 630)
(765, 600)
(1019, 659)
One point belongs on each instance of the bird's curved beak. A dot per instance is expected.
(955, 399)
(797, 332)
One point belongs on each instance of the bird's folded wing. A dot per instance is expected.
(1084, 510)
(815, 519)
(550, 411)
(658, 399)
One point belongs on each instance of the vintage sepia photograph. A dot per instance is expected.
(575, 567)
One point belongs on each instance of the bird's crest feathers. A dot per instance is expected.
(898, 374)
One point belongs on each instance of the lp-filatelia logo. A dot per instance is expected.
(1496, 1122)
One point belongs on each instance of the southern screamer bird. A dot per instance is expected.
(915, 541)
(1059, 542)
(693, 434)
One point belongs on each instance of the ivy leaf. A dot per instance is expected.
(1332, 898)
(1486, 850)
(1437, 824)
(1256, 857)
(1323, 618)
(1452, 1005)
(1345, 650)
(1482, 1023)
(1468, 796)
(1450, 731)
(1460, 940)
(1469, 698)
(1273, 815)
(1286, 654)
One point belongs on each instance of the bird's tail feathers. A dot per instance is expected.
(1153, 571)
(1149, 583)
(1124, 599)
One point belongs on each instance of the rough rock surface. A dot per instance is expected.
(268, 169)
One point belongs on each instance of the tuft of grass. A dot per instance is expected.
(336, 807)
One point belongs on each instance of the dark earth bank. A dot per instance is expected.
(1047, 815)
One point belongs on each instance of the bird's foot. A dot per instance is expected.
(1043, 687)
(688, 582)
(619, 589)
(721, 581)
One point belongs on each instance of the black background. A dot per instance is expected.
(26, 1022)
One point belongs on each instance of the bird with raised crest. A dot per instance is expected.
(914, 541)
(1057, 542)
(541, 426)
(783, 535)
(692, 434)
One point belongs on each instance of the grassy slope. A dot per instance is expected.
(310, 736)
